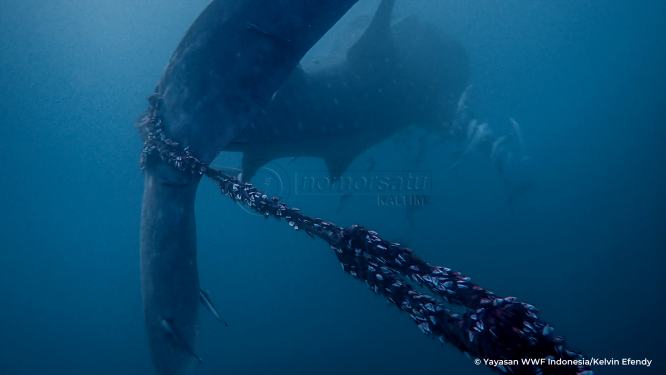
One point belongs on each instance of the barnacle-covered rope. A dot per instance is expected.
(503, 330)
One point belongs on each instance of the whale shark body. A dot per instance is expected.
(395, 74)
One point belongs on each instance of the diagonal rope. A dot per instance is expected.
(503, 330)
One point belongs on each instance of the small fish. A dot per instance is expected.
(343, 198)
(497, 145)
(464, 97)
(476, 135)
(519, 135)
(204, 298)
(481, 133)
(167, 326)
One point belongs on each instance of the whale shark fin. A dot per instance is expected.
(377, 36)
(253, 159)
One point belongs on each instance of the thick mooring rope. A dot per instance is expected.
(503, 330)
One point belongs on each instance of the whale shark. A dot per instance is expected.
(224, 71)
(394, 74)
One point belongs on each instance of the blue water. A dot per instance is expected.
(584, 78)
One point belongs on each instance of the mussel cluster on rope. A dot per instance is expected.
(502, 329)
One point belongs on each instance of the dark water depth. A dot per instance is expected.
(585, 79)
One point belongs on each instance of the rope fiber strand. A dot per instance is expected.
(492, 328)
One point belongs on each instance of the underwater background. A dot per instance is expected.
(587, 246)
